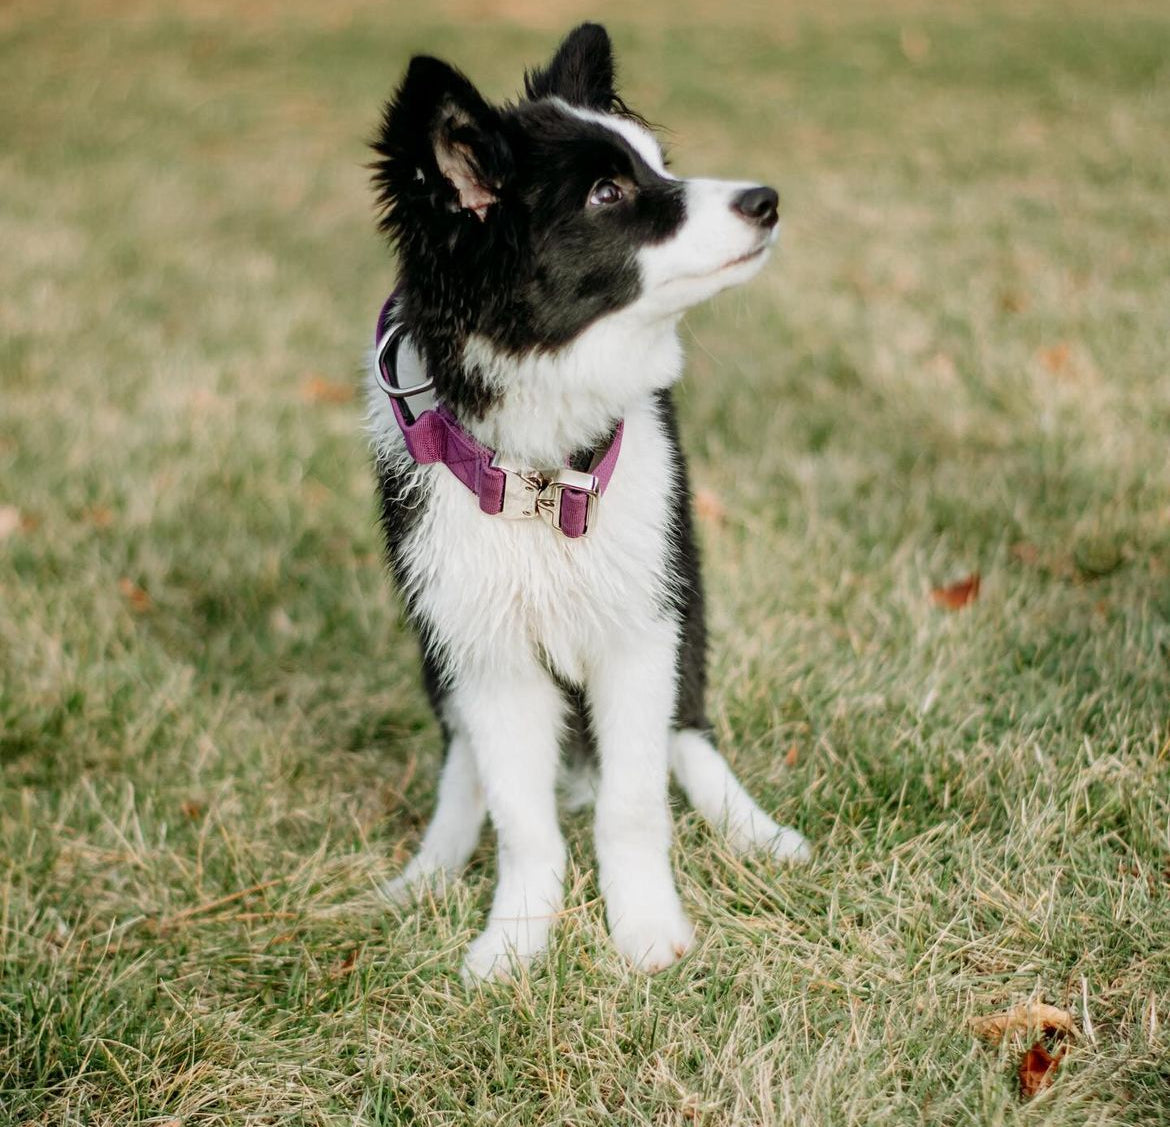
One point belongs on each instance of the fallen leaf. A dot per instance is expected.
(1057, 359)
(348, 963)
(709, 506)
(100, 516)
(317, 389)
(1027, 1017)
(139, 600)
(957, 595)
(792, 755)
(1037, 1069)
(1011, 301)
(9, 520)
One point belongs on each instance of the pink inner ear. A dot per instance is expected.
(456, 165)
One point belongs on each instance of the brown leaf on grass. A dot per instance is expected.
(139, 600)
(709, 506)
(957, 595)
(1012, 301)
(100, 516)
(1037, 1069)
(347, 964)
(10, 521)
(317, 389)
(1057, 359)
(1027, 1017)
(792, 755)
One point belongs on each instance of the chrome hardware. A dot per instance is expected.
(521, 489)
(552, 496)
(531, 493)
(385, 365)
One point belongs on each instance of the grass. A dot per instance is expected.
(212, 736)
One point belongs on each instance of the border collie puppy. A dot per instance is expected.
(535, 500)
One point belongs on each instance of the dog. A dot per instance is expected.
(533, 494)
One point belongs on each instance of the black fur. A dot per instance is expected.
(531, 274)
(682, 563)
(581, 72)
(539, 266)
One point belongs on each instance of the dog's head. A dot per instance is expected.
(526, 224)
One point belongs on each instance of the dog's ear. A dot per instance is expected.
(581, 72)
(441, 147)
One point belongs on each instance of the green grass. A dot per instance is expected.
(212, 737)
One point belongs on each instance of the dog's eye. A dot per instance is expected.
(605, 192)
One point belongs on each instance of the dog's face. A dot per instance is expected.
(528, 223)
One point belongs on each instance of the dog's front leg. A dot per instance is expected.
(451, 837)
(631, 696)
(512, 717)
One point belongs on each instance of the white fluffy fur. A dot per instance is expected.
(643, 141)
(512, 603)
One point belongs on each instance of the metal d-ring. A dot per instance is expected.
(386, 365)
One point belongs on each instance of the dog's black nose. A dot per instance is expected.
(757, 205)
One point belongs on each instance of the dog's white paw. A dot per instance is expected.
(653, 941)
(503, 950)
(755, 832)
(400, 891)
(789, 845)
(415, 881)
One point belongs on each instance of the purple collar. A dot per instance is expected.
(564, 497)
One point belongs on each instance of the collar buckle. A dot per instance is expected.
(536, 493)
(550, 503)
(521, 489)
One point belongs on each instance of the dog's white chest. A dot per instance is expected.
(498, 591)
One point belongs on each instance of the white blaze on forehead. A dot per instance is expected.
(640, 139)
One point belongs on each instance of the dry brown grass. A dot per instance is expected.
(212, 740)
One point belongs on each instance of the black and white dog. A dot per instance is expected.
(535, 500)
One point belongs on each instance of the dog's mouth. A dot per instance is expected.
(731, 264)
(745, 257)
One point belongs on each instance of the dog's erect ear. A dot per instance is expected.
(581, 72)
(441, 145)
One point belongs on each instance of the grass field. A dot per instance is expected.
(213, 742)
